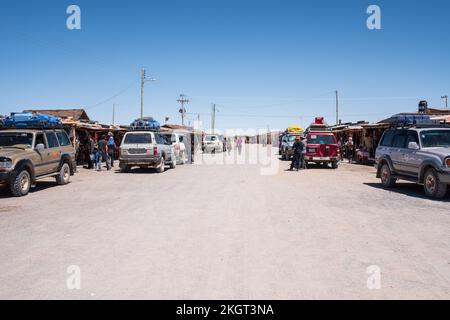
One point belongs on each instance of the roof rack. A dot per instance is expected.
(3, 127)
(139, 128)
(422, 125)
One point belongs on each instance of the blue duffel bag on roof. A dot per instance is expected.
(30, 120)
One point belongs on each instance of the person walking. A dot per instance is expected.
(229, 147)
(90, 152)
(239, 145)
(298, 150)
(349, 145)
(303, 156)
(103, 153)
(111, 149)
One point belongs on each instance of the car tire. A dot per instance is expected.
(173, 164)
(124, 167)
(162, 166)
(21, 184)
(334, 164)
(386, 177)
(433, 186)
(63, 176)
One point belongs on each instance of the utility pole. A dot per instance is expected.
(182, 100)
(143, 81)
(446, 101)
(142, 92)
(337, 107)
(213, 118)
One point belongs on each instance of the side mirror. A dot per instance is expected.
(413, 146)
(40, 147)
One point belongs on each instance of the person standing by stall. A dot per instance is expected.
(111, 148)
(349, 146)
(90, 152)
(103, 153)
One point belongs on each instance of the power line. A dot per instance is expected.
(110, 98)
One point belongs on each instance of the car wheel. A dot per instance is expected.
(63, 176)
(162, 166)
(334, 165)
(21, 184)
(386, 177)
(124, 167)
(432, 186)
(173, 164)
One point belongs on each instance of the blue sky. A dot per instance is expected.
(263, 63)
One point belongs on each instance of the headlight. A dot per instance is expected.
(447, 162)
(5, 163)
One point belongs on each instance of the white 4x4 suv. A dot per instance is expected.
(146, 149)
(213, 143)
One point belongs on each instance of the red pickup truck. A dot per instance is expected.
(322, 146)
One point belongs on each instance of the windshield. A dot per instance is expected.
(435, 138)
(321, 139)
(138, 138)
(210, 138)
(291, 138)
(16, 140)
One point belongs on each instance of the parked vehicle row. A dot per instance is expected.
(416, 152)
(321, 145)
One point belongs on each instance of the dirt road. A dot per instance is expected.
(225, 232)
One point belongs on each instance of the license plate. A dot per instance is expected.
(137, 151)
(321, 159)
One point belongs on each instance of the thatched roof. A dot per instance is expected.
(75, 114)
(434, 111)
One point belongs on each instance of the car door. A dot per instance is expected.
(398, 149)
(54, 153)
(410, 158)
(384, 149)
(43, 155)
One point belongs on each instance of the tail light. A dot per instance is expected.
(155, 151)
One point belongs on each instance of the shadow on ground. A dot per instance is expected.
(40, 186)
(408, 189)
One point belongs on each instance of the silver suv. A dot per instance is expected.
(420, 154)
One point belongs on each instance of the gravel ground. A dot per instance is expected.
(225, 232)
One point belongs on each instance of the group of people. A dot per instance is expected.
(99, 151)
(299, 147)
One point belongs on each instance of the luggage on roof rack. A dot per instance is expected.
(146, 124)
(29, 120)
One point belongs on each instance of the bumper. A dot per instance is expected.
(4, 177)
(289, 152)
(444, 177)
(150, 162)
(321, 159)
